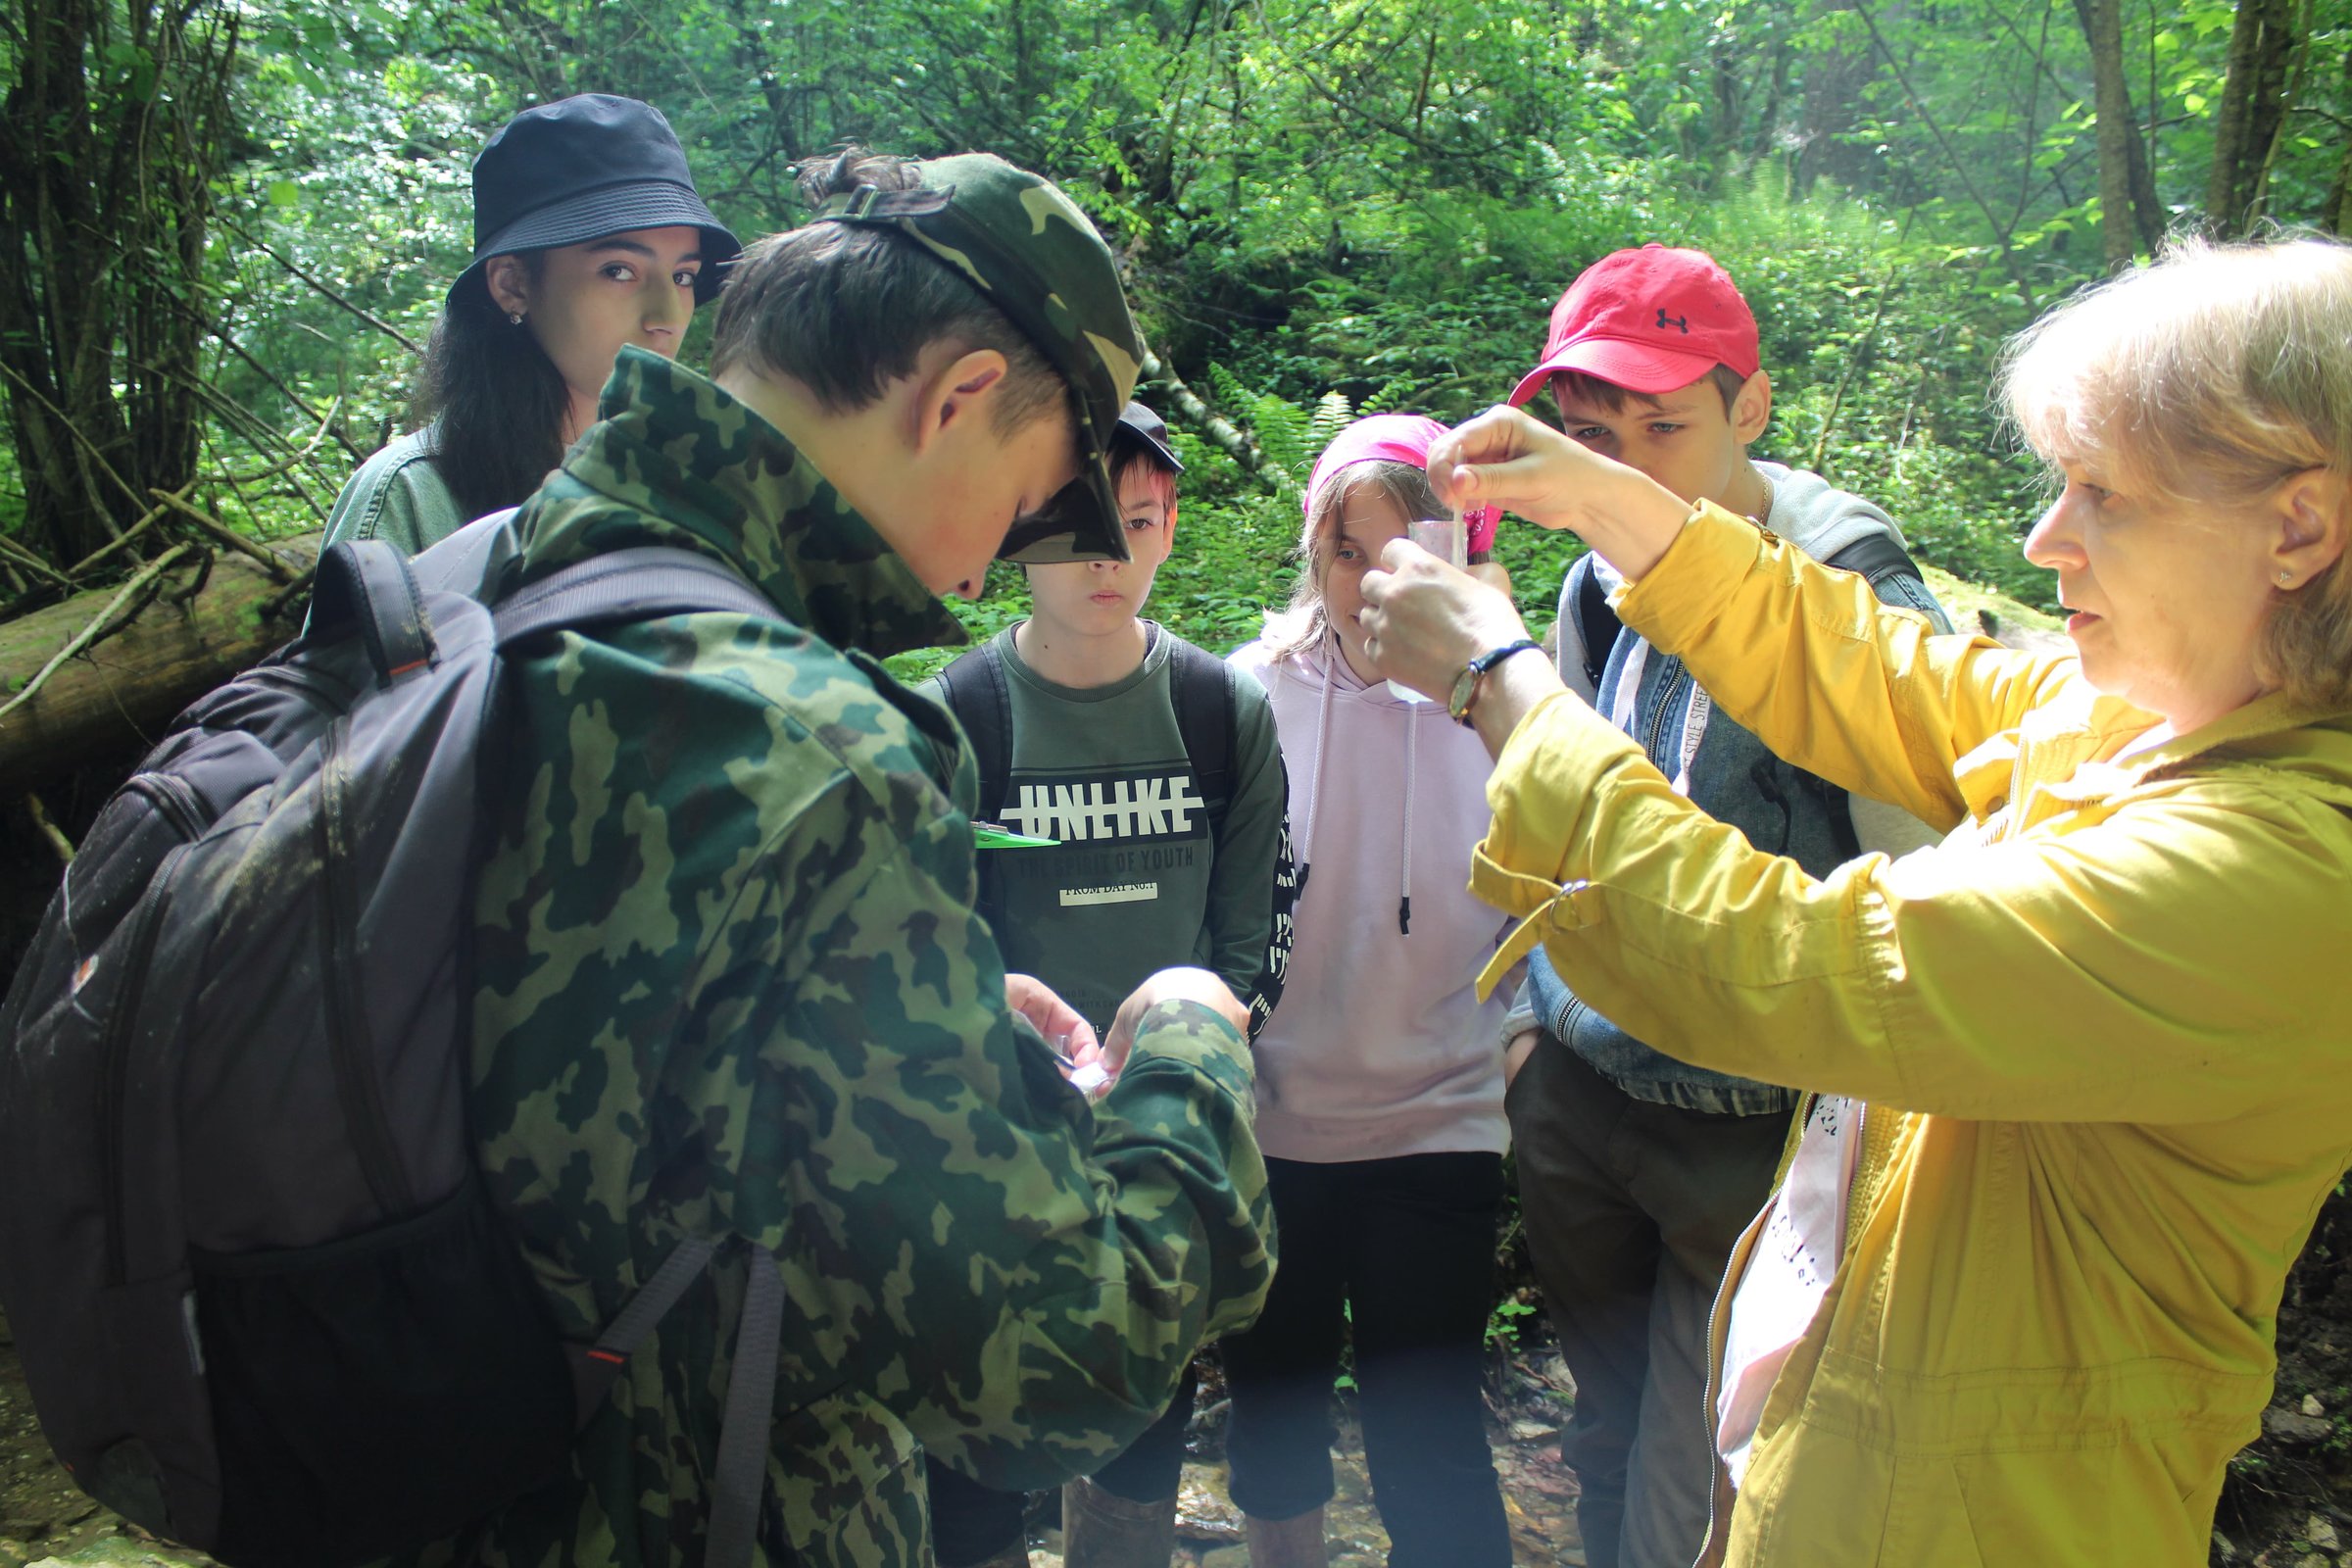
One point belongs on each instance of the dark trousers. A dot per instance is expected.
(971, 1522)
(1402, 1251)
(1632, 1209)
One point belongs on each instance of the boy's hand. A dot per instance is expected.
(1063, 1027)
(1507, 458)
(1171, 985)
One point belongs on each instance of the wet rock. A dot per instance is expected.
(1203, 1512)
(1552, 1372)
(2293, 1426)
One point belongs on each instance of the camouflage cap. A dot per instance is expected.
(1034, 256)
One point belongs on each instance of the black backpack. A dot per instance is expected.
(1201, 691)
(263, 1303)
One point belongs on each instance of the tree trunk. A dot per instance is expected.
(111, 138)
(2130, 219)
(1219, 433)
(2263, 42)
(129, 685)
(2335, 213)
(2115, 131)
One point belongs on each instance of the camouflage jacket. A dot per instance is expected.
(729, 983)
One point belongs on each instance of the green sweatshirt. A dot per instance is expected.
(1138, 881)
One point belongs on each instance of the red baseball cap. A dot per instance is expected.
(1648, 320)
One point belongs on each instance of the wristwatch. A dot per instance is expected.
(1466, 684)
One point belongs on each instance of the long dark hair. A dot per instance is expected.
(500, 400)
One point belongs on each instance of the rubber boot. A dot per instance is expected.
(1296, 1543)
(1099, 1529)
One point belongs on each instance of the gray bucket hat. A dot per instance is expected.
(577, 170)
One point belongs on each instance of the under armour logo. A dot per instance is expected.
(1665, 322)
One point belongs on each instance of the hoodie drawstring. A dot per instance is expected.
(1404, 867)
(1314, 786)
(1314, 766)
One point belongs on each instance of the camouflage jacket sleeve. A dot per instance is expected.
(1018, 1277)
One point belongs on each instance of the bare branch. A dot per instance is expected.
(23, 557)
(146, 521)
(76, 431)
(228, 535)
(365, 314)
(47, 829)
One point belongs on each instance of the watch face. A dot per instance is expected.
(1464, 685)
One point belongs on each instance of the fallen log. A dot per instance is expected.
(127, 683)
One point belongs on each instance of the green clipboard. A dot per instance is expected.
(995, 836)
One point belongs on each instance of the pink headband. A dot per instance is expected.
(1393, 438)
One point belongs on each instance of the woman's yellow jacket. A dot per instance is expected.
(2103, 1032)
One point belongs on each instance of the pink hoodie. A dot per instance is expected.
(1380, 1046)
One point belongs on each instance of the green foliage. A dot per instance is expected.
(1324, 209)
(1503, 1322)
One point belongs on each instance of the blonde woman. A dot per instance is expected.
(2082, 1071)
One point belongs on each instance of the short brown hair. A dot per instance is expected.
(1609, 397)
(845, 309)
(2207, 378)
(1128, 454)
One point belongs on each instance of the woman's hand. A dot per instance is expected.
(1505, 458)
(1423, 621)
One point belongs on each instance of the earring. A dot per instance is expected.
(513, 318)
(2286, 580)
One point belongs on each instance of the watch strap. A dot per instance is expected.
(1474, 674)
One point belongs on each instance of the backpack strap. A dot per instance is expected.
(981, 703)
(640, 584)
(366, 583)
(739, 1480)
(1877, 558)
(1596, 624)
(594, 1367)
(1201, 690)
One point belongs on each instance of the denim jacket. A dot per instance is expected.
(1780, 809)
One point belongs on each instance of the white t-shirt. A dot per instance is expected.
(1788, 1274)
